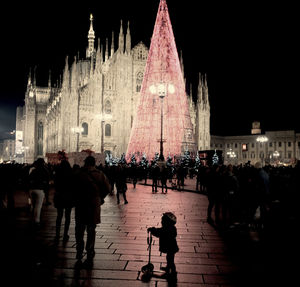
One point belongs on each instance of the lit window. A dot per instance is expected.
(85, 128)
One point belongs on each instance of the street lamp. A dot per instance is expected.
(262, 140)
(161, 90)
(231, 154)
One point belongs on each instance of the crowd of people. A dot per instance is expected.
(237, 195)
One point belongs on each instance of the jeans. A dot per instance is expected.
(37, 196)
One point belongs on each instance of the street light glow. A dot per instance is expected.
(262, 139)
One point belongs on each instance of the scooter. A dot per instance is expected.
(147, 270)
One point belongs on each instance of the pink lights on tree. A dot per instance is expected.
(163, 91)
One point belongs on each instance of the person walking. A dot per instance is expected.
(38, 183)
(121, 183)
(163, 179)
(64, 197)
(92, 186)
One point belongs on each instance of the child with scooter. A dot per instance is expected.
(167, 242)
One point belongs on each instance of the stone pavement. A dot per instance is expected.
(205, 258)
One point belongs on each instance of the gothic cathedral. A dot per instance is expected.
(94, 103)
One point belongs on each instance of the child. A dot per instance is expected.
(167, 241)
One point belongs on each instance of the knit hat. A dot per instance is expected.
(170, 216)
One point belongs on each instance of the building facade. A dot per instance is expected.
(94, 103)
(7, 150)
(279, 148)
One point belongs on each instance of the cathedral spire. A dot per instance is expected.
(29, 78)
(91, 38)
(49, 80)
(99, 58)
(128, 40)
(112, 46)
(121, 39)
(200, 90)
(34, 77)
(106, 50)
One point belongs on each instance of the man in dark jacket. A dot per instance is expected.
(92, 188)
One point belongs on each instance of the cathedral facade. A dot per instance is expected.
(94, 103)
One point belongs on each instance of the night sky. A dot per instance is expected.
(248, 51)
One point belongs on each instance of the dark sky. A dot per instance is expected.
(248, 51)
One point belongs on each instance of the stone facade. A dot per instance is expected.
(94, 103)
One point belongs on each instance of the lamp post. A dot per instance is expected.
(161, 90)
(231, 154)
(262, 140)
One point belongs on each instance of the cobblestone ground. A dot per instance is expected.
(204, 258)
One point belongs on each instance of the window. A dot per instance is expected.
(107, 130)
(289, 144)
(270, 144)
(279, 144)
(107, 107)
(40, 131)
(85, 129)
(221, 145)
(289, 154)
(227, 145)
(252, 145)
(138, 88)
(235, 145)
(40, 138)
(216, 145)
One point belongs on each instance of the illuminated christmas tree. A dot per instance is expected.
(215, 158)
(162, 113)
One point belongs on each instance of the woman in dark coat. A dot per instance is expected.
(64, 196)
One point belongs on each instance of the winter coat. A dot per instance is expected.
(64, 196)
(121, 184)
(92, 186)
(167, 238)
(38, 178)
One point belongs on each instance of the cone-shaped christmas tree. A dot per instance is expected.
(163, 101)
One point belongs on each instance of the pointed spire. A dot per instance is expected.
(49, 80)
(121, 39)
(112, 46)
(106, 50)
(128, 40)
(98, 46)
(205, 96)
(29, 78)
(200, 90)
(34, 77)
(91, 38)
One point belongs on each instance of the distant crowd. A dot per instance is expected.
(242, 194)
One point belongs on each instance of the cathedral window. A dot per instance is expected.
(139, 80)
(107, 107)
(107, 130)
(40, 131)
(85, 129)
